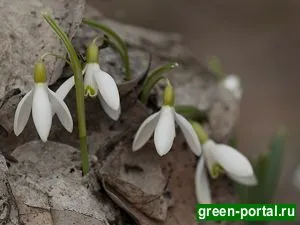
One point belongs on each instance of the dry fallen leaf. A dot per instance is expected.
(137, 177)
(145, 185)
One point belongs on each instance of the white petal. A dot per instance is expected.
(60, 108)
(108, 89)
(145, 131)
(164, 133)
(114, 114)
(90, 85)
(189, 134)
(249, 180)
(202, 187)
(65, 88)
(22, 113)
(232, 161)
(41, 111)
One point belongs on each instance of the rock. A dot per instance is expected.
(48, 187)
(9, 212)
(24, 36)
(129, 174)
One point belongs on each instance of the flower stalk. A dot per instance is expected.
(76, 67)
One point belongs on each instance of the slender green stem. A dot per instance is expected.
(119, 44)
(84, 154)
(191, 112)
(202, 135)
(55, 55)
(76, 67)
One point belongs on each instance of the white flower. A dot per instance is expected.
(233, 84)
(297, 178)
(97, 82)
(218, 157)
(44, 104)
(162, 123)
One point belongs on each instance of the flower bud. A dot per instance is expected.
(233, 84)
(40, 73)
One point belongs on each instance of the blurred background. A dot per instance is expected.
(257, 40)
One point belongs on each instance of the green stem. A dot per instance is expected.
(191, 113)
(84, 154)
(119, 44)
(55, 55)
(76, 67)
(202, 135)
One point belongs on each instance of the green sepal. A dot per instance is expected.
(92, 53)
(169, 96)
(40, 73)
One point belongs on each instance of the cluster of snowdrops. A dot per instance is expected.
(43, 104)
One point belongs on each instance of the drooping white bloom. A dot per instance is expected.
(43, 103)
(297, 178)
(162, 123)
(233, 84)
(219, 157)
(96, 83)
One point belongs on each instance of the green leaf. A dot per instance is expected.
(119, 44)
(153, 78)
(191, 113)
(269, 178)
(77, 70)
(215, 66)
(267, 169)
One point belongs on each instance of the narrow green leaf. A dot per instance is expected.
(215, 66)
(153, 78)
(272, 173)
(77, 70)
(256, 194)
(267, 169)
(191, 113)
(119, 44)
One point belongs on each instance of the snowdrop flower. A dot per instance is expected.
(43, 103)
(219, 158)
(297, 178)
(162, 123)
(233, 84)
(96, 83)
